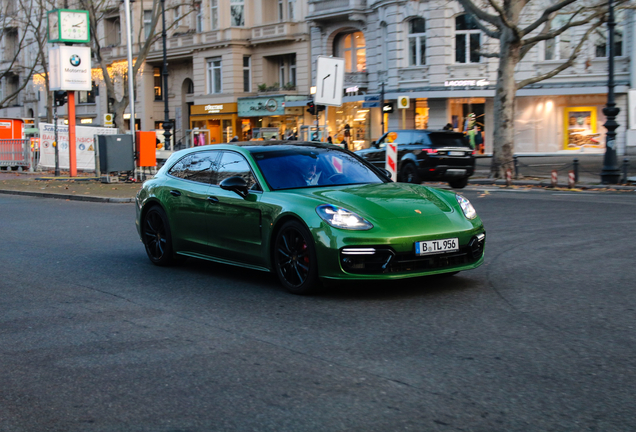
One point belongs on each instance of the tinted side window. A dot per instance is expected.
(398, 137)
(233, 164)
(197, 167)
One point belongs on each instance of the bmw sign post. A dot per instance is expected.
(70, 66)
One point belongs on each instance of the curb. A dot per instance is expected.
(69, 197)
(547, 184)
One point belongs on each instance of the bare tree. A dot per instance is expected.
(112, 75)
(17, 21)
(507, 21)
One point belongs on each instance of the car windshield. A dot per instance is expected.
(312, 167)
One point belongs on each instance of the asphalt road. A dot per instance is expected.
(540, 338)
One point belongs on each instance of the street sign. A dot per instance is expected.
(329, 81)
(108, 120)
(371, 102)
(404, 102)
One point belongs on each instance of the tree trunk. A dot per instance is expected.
(504, 110)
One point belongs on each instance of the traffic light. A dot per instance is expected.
(59, 97)
(320, 108)
(312, 108)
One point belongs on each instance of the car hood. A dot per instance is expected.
(387, 200)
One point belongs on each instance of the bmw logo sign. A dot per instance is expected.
(75, 60)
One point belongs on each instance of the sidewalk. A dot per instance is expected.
(81, 188)
(87, 188)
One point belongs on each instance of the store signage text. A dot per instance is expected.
(353, 89)
(467, 83)
(213, 108)
(270, 105)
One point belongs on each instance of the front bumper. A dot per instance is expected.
(364, 261)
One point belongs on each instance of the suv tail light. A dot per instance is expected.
(430, 150)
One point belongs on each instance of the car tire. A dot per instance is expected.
(409, 174)
(295, 260)
(459, 184)
(157, 237)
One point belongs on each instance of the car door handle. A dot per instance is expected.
(175, 193)
(213, 199)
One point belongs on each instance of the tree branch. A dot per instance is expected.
(563, 66)
(478, 12)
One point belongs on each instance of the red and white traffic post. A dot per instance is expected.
(571, 180)
(391, 160)
(555, 178)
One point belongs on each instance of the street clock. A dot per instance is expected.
(68, 25)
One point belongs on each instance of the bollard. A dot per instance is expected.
(516, 160)
(625, 170)
(555, 178)
(575, 165)
(571, 180)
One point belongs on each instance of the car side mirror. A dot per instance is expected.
(386, 172)
(374, 144)
(235, 184)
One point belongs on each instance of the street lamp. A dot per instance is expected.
(610, 173)
(167, 125)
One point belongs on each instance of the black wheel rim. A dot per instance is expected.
(293, 257)
(155, 235)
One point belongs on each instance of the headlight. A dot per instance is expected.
(467, 207)
(339, 217)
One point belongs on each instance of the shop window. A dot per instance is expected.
(237, 13)
(601, 46)
(352, 47)
(214, 14)
(247, 73)
(467, 39)
(558, 48)
(417, 42)
(158, 84)
(88, 97)
(214, 76)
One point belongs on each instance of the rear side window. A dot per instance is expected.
(397, 137)
(233, 164)
(198, 167)
(439, 140)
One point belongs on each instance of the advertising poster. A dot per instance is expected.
(85, 148)
(580, 129)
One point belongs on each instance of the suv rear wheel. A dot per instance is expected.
(409, 174)
(459, 184)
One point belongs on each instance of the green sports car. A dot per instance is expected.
(306, 211)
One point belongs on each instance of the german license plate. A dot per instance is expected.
(455, 153)
(436, 246)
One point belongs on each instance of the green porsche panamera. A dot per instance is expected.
(306, 211)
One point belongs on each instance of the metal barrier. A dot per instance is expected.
(15, 153)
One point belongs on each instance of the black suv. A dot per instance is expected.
(426, 155)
